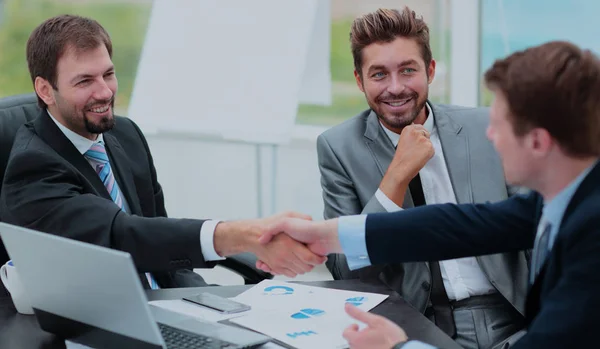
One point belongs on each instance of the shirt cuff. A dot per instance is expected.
(386, 202)
(351, 232)
(413, 345)
(207, 241)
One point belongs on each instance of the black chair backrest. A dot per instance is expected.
(14, 112)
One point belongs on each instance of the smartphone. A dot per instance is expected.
(218, 303)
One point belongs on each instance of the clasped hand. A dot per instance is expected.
(319, 238)
(281, 254)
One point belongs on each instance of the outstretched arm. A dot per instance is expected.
(433, 232)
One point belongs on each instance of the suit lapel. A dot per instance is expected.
(382, 149)
(53, 136)
(587, 186)
(407, 277)
(456, 153)
(120, 166)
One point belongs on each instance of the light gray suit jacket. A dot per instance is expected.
(354, 156)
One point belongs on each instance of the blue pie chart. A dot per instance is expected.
(308, 313)
(279, 290)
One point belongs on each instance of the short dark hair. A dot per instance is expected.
(555, 86)
(385, 25)
(49, 41)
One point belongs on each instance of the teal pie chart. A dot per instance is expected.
(308, 313)
(279, 290)
(356, 301)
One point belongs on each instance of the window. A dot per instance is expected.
(513, 25)
(125, 21)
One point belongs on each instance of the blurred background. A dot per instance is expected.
(231, 180)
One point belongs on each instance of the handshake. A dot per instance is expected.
(291, 243)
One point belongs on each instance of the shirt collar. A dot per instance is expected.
(554, 210)
(429, 126)
(81, 143)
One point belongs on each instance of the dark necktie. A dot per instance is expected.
(442, 311)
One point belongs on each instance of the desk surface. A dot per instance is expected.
(22, 331)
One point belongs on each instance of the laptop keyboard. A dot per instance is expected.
(180, 339)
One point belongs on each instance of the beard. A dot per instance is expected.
(103, 125)
(79, 119)
(398, 120)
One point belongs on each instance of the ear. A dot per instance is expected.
(44, 90)
(359, 81)
(431, 71)
(540, 141)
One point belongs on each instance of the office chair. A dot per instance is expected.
(20, 109)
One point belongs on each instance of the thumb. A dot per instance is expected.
(361, 315)
(299, 215)
(270, 232)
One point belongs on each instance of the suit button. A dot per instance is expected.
(426, 285)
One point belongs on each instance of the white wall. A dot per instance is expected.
(210, 178)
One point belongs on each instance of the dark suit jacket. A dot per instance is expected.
(562, 305)
(49, 186)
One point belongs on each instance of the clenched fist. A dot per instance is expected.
(412, 153)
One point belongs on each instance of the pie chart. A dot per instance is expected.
(279, 290)
(308, 313)
(356, 300)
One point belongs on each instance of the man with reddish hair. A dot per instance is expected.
(545, 124)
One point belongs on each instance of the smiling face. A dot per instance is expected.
(84, 97)
(395, 82)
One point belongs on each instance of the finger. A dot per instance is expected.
(361, 315)
(286, 254)
(297, 266)
(351, 333)
(308, 257)
(263, 266)
(287, 272)
(301, 267)
(270, 232)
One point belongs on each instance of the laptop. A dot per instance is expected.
(93, 296)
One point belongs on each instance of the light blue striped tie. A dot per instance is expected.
(98, 158)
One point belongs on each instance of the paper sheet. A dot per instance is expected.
(298, 315)
(279, 296)
(302, 316)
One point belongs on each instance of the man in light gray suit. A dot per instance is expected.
(405, 151)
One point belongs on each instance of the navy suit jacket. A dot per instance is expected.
(563, 304)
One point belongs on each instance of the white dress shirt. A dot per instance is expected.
(462, 277)
(207, 231)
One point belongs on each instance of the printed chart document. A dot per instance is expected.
(302, 316)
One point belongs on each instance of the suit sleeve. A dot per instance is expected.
(340, 199)
(44, 193)
(448, 231)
